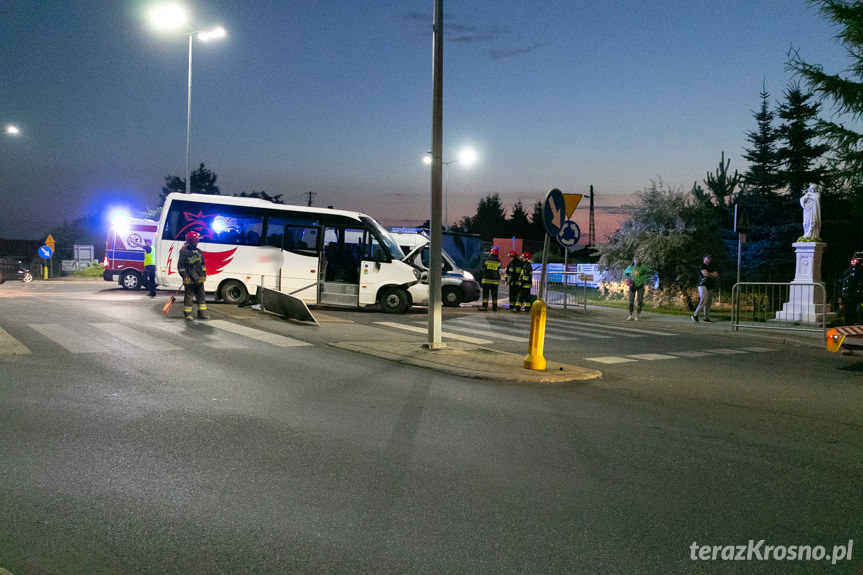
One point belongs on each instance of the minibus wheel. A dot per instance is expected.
(451, 296)
(394, 300)
(233, 292)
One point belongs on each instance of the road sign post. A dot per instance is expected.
(45, 252)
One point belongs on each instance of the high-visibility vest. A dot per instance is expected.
(150, 257)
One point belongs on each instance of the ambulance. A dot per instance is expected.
(124, 250)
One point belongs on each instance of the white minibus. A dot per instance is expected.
(323, 256)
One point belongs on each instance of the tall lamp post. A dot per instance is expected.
(170, 17)
(467, 157)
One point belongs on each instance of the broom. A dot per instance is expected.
(167, 306)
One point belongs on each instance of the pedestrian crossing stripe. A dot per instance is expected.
(72, 340)
(607, 328)
(214, 340)
(260, 335)
(135, 337)
(507, 327)
(11, 346)
(68, 339)
(612, 359)
(503, 336)
(417, 329)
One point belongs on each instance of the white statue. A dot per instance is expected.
(810, 201)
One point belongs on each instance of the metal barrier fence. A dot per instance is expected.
(775, 305)
(564, 289)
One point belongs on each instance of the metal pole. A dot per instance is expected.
(435, 260)
(566, 275)
(189, 120)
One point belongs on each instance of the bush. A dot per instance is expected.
(94, 270)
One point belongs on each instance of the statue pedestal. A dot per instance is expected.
(805, 295)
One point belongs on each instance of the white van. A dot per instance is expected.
(322, 256)
(457, 285)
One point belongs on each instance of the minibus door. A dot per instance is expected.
(340, 266)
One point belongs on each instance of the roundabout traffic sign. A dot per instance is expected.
(569, 234)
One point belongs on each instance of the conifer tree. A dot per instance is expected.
(799, 152)
(763, 177)
(845, 92)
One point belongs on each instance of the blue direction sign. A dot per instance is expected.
(554, 212)
(569, 234)
(45, 252)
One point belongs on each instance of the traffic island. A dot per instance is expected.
(471, 361)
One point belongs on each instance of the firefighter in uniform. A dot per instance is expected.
(525, 282)
(490, 278)
(190, 264)
(513, 272)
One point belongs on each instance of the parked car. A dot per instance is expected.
(457, 285)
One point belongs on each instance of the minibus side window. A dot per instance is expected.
(301, 239)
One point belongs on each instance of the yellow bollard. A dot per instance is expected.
(534, 359)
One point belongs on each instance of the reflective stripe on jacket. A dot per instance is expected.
(149, 256)
(491, 270)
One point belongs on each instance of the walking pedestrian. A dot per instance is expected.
(706, 284)
(525, 282)
(636, 276)
(149, 268)
(513, 272)
(190, 264)
(491, 278)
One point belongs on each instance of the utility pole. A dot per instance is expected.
(310, 197)
(591, 234)
(434, 273)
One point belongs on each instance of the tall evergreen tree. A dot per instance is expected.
(845, 92)
(799, 151)
(518, 224)
(203, 182)
(490, 218)
(763, 177)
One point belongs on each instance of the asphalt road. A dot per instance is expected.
(131, 442)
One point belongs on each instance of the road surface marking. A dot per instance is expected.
(11, 346)
(417, 329)
(602, 327)
(690, 353)
(498, 335)
(135, 337)
(260, 335)
(722, 351)
(72, 341)
(611, 359)
(499, 325)
(651, 356)
(216, 339)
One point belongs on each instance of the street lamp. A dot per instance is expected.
(171, 17)
(467, 157)
(10, 129)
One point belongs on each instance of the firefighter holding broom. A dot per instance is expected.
(190, 264)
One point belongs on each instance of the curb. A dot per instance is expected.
(471, 361)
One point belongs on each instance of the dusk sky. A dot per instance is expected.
(335, 97)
